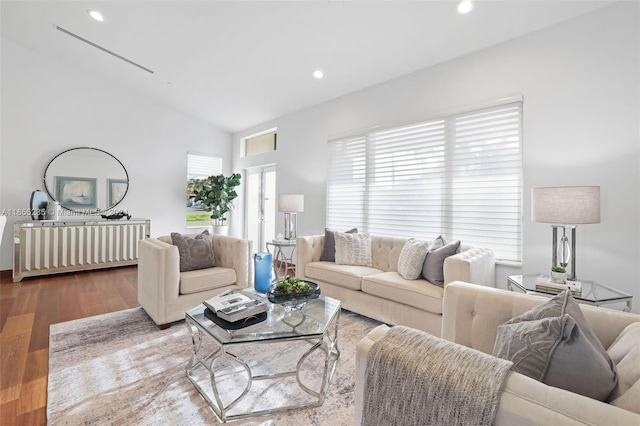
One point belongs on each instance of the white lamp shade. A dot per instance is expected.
(567, 205)
(291, 203)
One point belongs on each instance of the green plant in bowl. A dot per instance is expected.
(292, 293)
(291, 285)
(559, 269)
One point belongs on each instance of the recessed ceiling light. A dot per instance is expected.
(318, 74)
(96, 15)
(465, 6)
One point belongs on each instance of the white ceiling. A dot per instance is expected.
(236, 64)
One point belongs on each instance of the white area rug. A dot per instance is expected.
(120, 369)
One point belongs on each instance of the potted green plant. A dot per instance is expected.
(558, 274)
(215, 194)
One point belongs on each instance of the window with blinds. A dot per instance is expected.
(459, 176)
(200, 166)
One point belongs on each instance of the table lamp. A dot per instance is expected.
(291, 205)
(565, 207)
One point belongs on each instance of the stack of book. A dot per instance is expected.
(234, 306)
(544, 284)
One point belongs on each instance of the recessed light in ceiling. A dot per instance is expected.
(318, 74)
(465, 6)
(96, 15)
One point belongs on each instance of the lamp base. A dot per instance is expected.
(290, 226)
(567, 254)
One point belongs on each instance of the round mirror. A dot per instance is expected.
(86, 180)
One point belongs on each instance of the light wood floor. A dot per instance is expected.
(26, 311)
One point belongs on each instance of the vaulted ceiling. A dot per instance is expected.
(236, 64)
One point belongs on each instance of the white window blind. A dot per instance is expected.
(203, 165)
(459, 176)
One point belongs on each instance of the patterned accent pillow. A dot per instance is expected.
(353, 249)
(329, 246)
(433, 269)
(412, 258)
(195, 252)
(553, 343)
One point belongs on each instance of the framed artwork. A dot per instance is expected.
(76, 191)
(116, 188)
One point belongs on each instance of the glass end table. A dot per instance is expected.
(285, 361)
(592, 292)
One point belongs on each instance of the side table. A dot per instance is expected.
(281, 257)
(592, 293)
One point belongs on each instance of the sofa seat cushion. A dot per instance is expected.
(206, 279)
(347, 276)
(419, 294)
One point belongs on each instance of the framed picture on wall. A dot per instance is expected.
(76, 191)
(116, 188)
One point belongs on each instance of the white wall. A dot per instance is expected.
(580, 82)
(48, 107)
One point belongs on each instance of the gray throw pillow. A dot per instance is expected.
(553, 343)
(329, 247)
(433, 269)
(195, 252)
(412, 258)
(353, 249)
(437, 243)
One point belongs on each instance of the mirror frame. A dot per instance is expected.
(84, 211)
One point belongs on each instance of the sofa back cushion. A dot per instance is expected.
(385, 252)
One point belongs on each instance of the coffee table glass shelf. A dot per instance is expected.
(284, 362)
(592, 292)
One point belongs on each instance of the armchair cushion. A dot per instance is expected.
(195, 252)
(554, 343)
(206, 279)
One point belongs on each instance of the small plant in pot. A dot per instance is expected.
(558, 274)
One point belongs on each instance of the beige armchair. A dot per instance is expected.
(165, 293)
(471, 316)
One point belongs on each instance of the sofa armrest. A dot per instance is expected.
(234, 253)
(362, 350)
(524, 401)
(158, 276)
(308, 249)
(476, 265)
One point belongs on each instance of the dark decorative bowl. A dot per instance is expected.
(293, 301)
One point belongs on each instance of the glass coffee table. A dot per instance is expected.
(592, 293)
(285, 361)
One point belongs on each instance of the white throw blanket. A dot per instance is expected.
(413, 378)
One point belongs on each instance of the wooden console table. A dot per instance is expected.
(43, 247)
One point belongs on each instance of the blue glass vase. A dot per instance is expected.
(262, 267)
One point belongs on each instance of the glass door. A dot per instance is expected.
(261, 206)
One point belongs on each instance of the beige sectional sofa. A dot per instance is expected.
(379, 292)
(472, 315)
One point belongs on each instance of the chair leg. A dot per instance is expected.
(164, 326)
